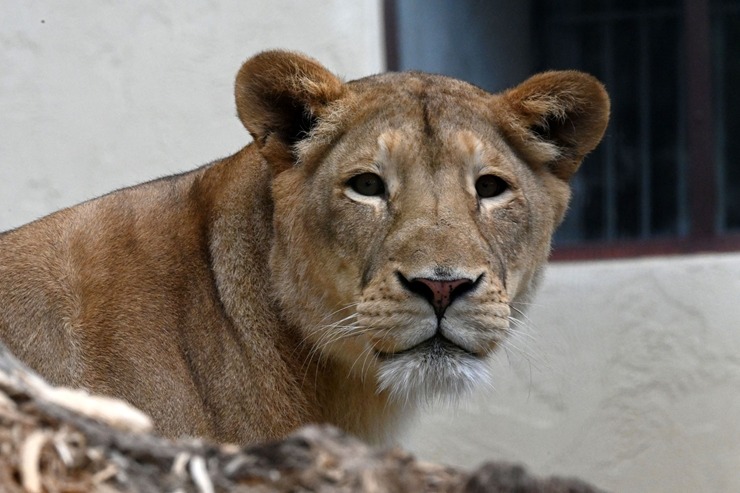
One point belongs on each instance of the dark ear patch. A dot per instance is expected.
(555, 119)
(294, 121)
(280, 97)
(542, 130)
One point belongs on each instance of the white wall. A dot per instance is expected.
(96, 95)
(629, 376)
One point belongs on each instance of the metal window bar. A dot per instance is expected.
(703, 193)
(682, 195)
(610, 197)
(645, 121)
(719, 40)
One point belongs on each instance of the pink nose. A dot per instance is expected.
(440, 294)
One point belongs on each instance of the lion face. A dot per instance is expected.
(411, 211)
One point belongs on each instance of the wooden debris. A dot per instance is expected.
(64, 441)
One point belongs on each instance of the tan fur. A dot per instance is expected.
(260, 292)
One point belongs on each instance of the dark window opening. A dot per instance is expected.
(634, 185)
(666, 178)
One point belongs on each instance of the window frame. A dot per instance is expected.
(703, 233)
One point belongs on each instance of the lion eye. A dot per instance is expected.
(489, 186)
(368, 184)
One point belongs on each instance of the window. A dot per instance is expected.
(666, 178)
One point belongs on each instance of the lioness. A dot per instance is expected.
(361, 255)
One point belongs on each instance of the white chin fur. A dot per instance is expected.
(432, 376)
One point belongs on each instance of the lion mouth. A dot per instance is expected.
(436, 369)
(434, 347)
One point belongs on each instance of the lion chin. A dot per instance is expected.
(435, 371)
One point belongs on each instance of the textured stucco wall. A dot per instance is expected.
(627, 374)
(96, 95)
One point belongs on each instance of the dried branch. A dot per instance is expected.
(62, 440)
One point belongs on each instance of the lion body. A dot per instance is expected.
(261, 292)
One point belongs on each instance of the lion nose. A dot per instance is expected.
(440, 294)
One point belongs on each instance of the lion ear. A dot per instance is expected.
(555, 118)
(280, 96)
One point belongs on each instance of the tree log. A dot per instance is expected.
(63, 440)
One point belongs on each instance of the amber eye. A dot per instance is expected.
(368, 184)
(489, 186)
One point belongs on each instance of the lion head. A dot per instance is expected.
(412, 211)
